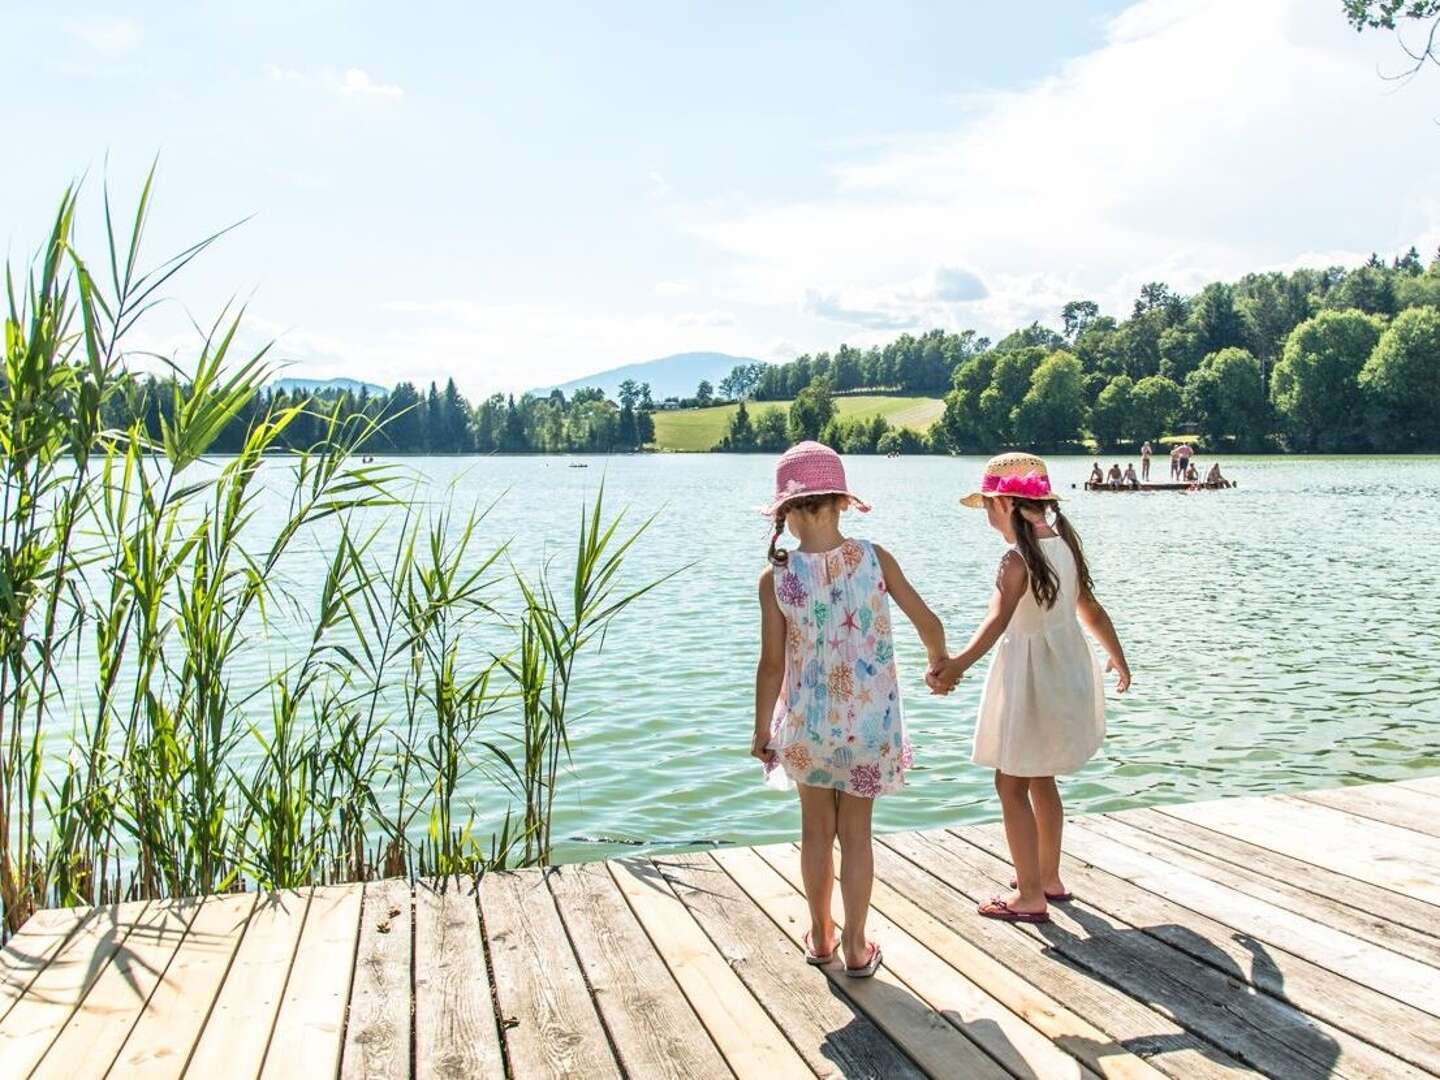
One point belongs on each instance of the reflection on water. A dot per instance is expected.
(1282, 635)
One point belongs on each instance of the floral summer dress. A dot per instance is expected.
(838, 723)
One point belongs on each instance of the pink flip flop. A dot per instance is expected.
(1053, 897)
(812, 957)
(870, 966)
(999, 909)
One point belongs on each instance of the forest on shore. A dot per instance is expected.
(1312, 360)
(1338, 359)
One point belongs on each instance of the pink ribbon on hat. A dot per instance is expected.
(1032, 485)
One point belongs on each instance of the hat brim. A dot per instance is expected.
(976, 499)
(855, 501)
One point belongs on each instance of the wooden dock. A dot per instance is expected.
(1126, 489)
(1291, 936)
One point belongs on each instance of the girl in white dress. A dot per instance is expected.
(1042, 713)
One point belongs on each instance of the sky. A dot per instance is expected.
(516, 195)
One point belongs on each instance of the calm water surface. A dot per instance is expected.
(1282, 635)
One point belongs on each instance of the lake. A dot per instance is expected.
(1283, 635)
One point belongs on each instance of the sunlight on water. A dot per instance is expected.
(1282, 635)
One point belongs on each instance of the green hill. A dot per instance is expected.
(701, 429)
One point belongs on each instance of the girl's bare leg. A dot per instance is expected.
(817, 862)
(1023, 836)
(857, 875)
(1049, 824)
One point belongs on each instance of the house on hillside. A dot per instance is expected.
(670, 403)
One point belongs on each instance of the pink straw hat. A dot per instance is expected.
(810, 468)
(1018, 474)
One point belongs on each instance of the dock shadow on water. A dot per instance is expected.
(1204, 989)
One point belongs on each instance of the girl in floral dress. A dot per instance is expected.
(828, 717)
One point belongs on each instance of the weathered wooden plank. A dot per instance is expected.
(159, 1044)
(835, 1038)
(1207, 920)
(552, 1028)
(54, 994)
(746, 1035)
(1398, 859)
(651, 1026)
(1415, 917)
(1002, 1033)
(1220, 1006)
(27, 952)
(90, 1041)
(1270, 1032)
(1389, 803)
(455, 1028)
(1129, 854)
(1429, 785)
(926, 1036)
(1135, 1025)
(377, 1028)
(927, 910)
(1419, 948)
(237, 1032)
(310, 1029)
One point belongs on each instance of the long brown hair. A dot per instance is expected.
(804, 503)
(1044, 582)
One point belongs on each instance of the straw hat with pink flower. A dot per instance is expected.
(1020, 475)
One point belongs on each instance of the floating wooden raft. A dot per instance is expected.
(1293, 936)
(1161, 487)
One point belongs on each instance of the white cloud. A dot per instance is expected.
(674, 288)
(276, 73)
(104, 34)
(356, 82)
(1201, 140)
(352, 82)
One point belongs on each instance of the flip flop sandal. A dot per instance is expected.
(1053, 897)
(812, 957)
(999, 909)
(871, 966)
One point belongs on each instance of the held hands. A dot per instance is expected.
(943, 674)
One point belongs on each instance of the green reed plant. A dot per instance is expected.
(555, 629)
(164, 765)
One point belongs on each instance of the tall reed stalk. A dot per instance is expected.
(142, 585)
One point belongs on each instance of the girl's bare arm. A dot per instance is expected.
(927, 624)
(1096, 619)
(1010, 582)
(770, 671)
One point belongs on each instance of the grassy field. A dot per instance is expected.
(701, 429)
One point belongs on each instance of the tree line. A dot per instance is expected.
(412, 421)
(1312, 360)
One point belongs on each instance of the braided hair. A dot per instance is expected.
(805, 504)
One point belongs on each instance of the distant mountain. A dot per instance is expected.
(670, 376)
(327, 386)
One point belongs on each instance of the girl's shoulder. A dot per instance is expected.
(1012, 570)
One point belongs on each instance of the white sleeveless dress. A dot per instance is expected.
(1042, 712)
